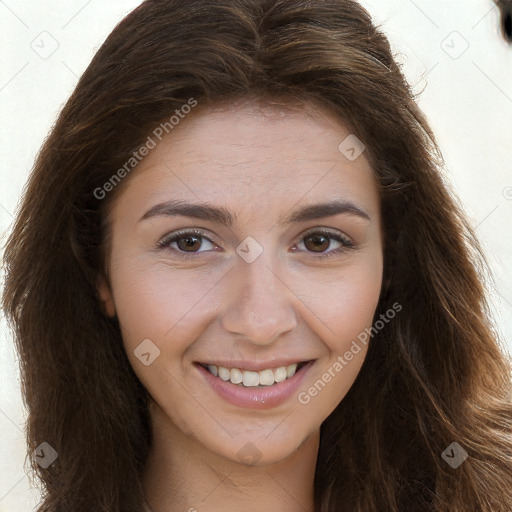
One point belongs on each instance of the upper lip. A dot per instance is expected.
(255, 366)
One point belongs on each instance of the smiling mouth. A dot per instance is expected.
(255, 379)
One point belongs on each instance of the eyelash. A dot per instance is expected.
(347, 244)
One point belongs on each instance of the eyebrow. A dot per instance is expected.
(221, 215)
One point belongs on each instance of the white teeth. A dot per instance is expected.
(266, 377)
(290, 370)
(280, 374)
(224, 373)
(251, 378)
(236, 376)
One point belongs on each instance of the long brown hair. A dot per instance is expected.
(436, 375)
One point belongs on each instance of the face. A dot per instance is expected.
(246, 247)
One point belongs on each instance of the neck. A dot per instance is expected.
(182, 475)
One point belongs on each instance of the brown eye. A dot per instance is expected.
(317, 243)
(320, 241)
(186, 243)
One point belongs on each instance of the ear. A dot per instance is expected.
(106, 297)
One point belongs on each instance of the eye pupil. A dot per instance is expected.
(318, 239)
(189, 242)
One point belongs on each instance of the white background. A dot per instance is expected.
(467, 98)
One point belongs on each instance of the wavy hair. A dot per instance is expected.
(437, 373)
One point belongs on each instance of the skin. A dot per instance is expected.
(260, 164)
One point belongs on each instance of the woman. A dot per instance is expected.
(237, 279)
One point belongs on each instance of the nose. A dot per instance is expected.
(260, 304)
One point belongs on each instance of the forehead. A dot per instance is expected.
(255, 157)
(258, 132)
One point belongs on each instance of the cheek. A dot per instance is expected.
(355, 307)
(344, 310)
(160, 303)
(343, 303)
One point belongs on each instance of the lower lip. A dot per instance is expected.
(254, 397)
